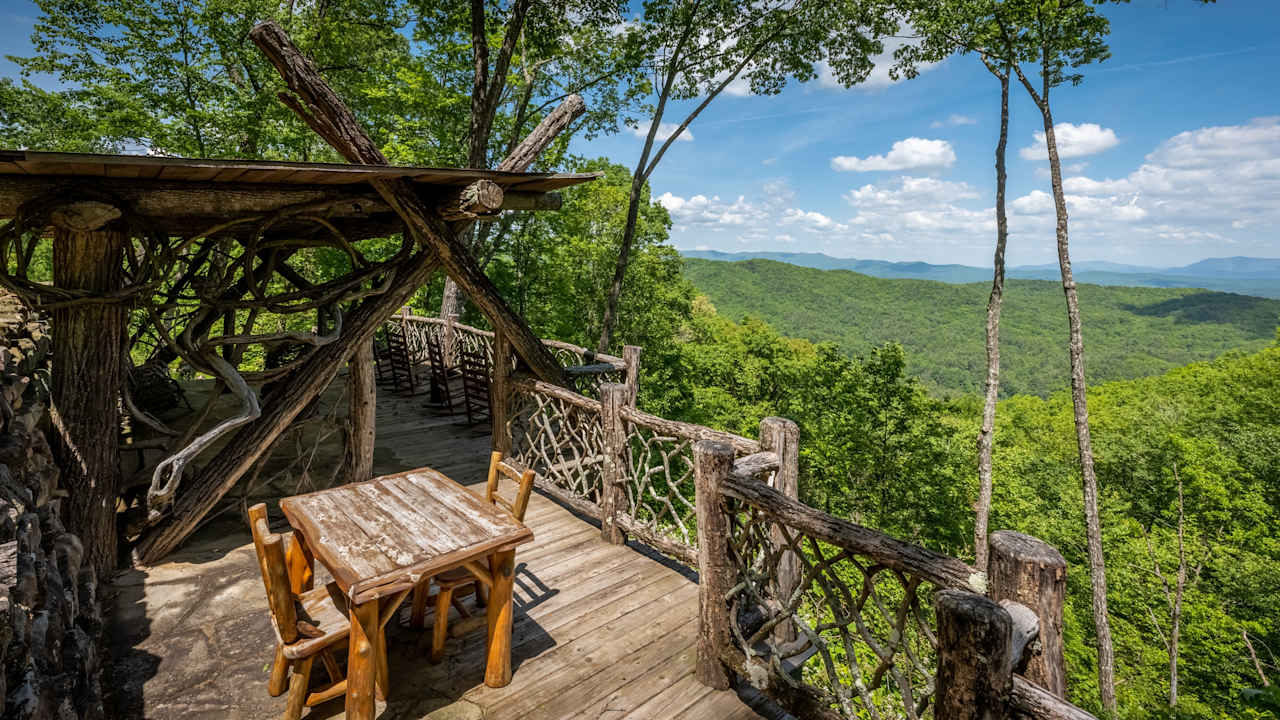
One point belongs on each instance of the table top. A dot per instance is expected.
(384, 535)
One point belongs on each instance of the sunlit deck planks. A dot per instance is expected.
(600, 631)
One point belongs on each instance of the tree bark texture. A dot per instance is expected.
(88, 372)
(362, 396)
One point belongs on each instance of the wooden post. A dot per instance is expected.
(711, 464)
(362, 397)
(1027, 570)
(613, 493)
(88, 371)
(974, 675)
(500, 392)
(782, 436)
(448, 341)
(631, 355)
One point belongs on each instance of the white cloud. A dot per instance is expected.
(912, 153)
(665, 130)
(1073, 141)
(806, 218)
(709, 212)
(1202, 193)
(953, 120)
(920, 208)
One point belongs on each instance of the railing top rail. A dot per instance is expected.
(617, 362)
(740, 445)
(943, 571)
(533, 385)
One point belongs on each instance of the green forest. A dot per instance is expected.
(882, 376)
(1131, 331)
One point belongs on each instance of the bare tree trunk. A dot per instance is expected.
(88, 370)
(982, 512)
(362, 407)
(1093, 520)
(1084, 443)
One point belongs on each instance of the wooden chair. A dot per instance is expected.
(474, 577)
(308, 622)
(402, 370)
(475, 385)
(440, 393)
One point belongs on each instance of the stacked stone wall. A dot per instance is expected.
(50, 618)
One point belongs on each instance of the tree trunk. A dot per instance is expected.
(362, 396)
(1093, 521)
(624, 257)
(982, 512)
(88, 370)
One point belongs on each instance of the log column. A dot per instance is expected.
(1030, 571)
(500, 392)
(88, 370)
(711, 464)
(613, 491)
(782, 436)
(362, 410)
(974, 674)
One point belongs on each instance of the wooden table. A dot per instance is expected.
(379, 538)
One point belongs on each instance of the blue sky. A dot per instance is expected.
(1175, 143)
(1184, 161)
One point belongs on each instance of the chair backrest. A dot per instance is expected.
(498, 468)
(275, 574)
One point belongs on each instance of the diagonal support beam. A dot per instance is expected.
(316, 103)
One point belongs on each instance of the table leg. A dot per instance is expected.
(497, 671)
(361, 662)
(388, 607)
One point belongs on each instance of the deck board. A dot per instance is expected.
(600, 631)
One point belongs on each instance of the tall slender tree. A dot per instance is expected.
(699, 48)
(970, 26)
(1058, 37)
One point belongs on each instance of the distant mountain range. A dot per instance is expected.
(1243, 275)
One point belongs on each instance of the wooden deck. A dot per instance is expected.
(600, 631)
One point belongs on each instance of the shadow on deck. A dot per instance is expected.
(600, 631)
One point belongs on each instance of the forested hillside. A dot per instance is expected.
(1131, 332)
(880, 450)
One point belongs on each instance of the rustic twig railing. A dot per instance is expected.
(832, 619)
(585, 368)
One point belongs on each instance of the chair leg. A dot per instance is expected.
(278, 682)
(299, 683)
(417, 618)
(441, 630)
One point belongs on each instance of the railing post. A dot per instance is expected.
(613, 498)
(500, 392)
(631, 355)
(782, 437)
(974, 673)
(1032, 572)
(711, 464)
(448, 341)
